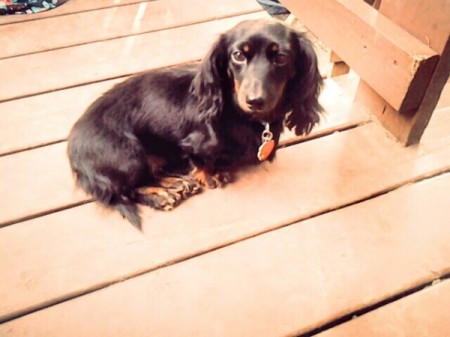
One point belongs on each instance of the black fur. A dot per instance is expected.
(209, 115)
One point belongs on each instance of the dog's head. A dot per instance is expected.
(268, 69)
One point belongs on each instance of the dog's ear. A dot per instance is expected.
(304, 89)
(209, 83)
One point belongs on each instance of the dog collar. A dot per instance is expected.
(268, 144)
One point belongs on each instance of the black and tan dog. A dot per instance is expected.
(159, 136)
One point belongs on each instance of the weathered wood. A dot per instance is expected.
(429, 23)
(424, 314)
(36, 182)
(46, 118)
(67, 105)
(374, 47)
(70, 7)
(31, 197)
(109, 59)
(109, 23)
(284, 283)
(305, 180)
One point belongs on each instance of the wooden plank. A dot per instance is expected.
(113, 22)
(109, 59)
(36, 182)
(49, 164)
(375, 48)
(55, 257)
(424, 314)
(46, 118)
(428, 22)
(70, 7)
(67, 105)
(432, 27)
(284, 283)
(407, 128)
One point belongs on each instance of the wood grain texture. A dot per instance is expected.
(70, 7)
(377, 49)
(113, 22)
(283, 283)
(36, 182)
(424, 314)
(305, 180)
(104, 60)
(428, 23)
(47, 118)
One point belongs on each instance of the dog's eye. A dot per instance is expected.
(281, 59)
(239, 57)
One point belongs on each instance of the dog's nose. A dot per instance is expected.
(255, 103)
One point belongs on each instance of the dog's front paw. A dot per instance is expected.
(183, 186)
(159, 198)
(210, 180)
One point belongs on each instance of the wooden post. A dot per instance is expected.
(428, 21)
(403, 66)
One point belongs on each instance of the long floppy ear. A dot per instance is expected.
(209, 83)
(304, 89)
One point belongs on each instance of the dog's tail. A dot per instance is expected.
(108, 195)
(129, 211)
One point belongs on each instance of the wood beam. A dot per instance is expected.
(394, 63)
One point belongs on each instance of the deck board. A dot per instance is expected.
(40, 123)
(51, 186)
(114, 22)
(284, 282)
(307, 179)
(339, 222)
(70, 7)
(36, 182)
(424, 314)
(74, 66)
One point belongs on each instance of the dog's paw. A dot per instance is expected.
(210, 180)
(183, 186)
(159, 198)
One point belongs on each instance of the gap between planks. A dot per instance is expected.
(405, 317)
(393, 299)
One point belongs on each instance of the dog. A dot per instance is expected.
(165, 134)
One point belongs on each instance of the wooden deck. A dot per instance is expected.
(347, 233)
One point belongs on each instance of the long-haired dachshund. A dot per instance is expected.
(160, 136)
